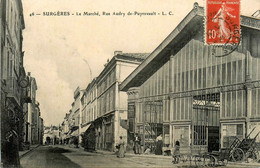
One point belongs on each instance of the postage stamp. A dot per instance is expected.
(222, 24)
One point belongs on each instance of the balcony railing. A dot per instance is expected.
(12, 89)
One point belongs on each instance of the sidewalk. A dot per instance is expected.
(235, 164)
(104, 152)
(23, 153)
(230, 164)
(137, 155)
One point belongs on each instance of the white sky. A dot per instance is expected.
(55, 46)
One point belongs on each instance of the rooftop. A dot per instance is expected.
(184, 32)
(136, 55)
(135, 58)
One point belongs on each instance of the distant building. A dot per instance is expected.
(41, 131)
(33, 116)
(74, 118)
(65, 129)
(51, 135)
(103, 108)
(89, 114)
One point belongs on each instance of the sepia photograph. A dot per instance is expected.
(130, 83)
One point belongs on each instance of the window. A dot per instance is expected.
(153, 111)
(131, 125)
(181, 134)
(206, 114)
(230, 132)
(255, 42)
(108, 130)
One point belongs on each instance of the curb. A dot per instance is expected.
(22, 155)
(136, 155)
(150, 156)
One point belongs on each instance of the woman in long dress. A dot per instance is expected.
(159, 145)
(220, 17)
(121, 152)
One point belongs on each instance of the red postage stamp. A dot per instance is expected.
(222, 22)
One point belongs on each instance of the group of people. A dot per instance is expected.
(121, 146)
(137, 146)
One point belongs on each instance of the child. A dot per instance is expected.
(176, 153)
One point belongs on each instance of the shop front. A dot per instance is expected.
(99, 133)
(104, 132)
(89, 138)
(108, 128)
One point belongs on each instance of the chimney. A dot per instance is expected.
(118, 52)
(195, 5)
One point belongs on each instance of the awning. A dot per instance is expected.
(74, 133)
(84, 129)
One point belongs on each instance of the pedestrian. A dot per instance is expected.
(121, 146)
(176, 153)
(159, 145)
(137, 144)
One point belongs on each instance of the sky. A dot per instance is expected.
(56, 46)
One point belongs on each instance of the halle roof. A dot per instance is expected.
(186, 29)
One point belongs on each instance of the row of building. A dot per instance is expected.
(99, 111)
(21, 122)
(52, 135)
(185, 90)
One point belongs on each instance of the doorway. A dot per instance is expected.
(206, 114)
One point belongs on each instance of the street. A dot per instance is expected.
(59, 156)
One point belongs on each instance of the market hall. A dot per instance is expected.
(189, 92)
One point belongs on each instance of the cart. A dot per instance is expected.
(247, 148)
(239, 150)
(193, 155)
(220, 158)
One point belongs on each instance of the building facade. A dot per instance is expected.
(111, 102)
(188, 92)
(89, 114)
(33, 117)
(65, 129)
(51, 135)
(41, 131)
(11, 74)
(76, 106)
